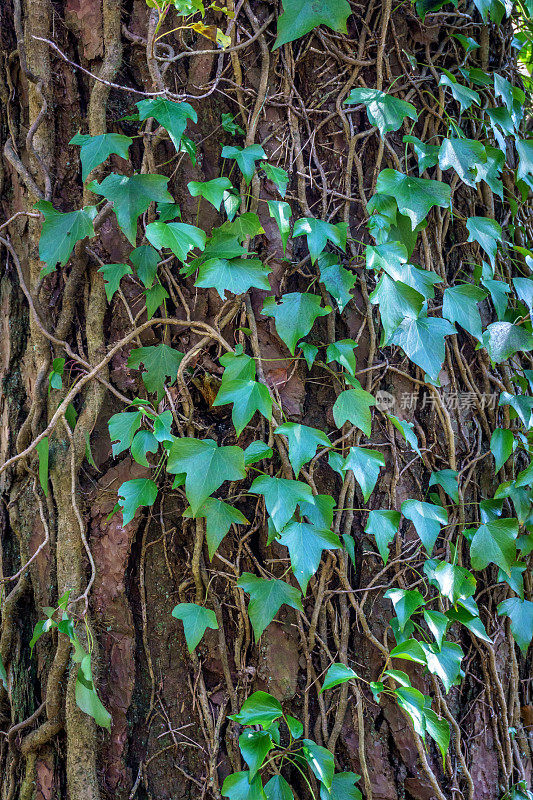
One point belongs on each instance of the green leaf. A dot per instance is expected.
(61, 232)
(502, 444)
(460, 305)
(343, 353)
(43, 451)
(212, 191)
(421, 280)
(447, 478)
(206, 466)
(257, 451)
(247, 396)
(277, 788)
(353, 405)
(294, 315)
(113, 274)
(219, 517)
(3, 675)
(172, 116)
(439, 730)
(407, 430)
(383, 524)
(245, 158)
(143, 442)
(494, 543)
(320, 760)
(168, 211)
(278, 176)
(266, 599)
(444, 662)
(452, 581)
(145, 260)
(134, 494)
(309, 352)
(524, 290)
(295, 727)
(122, 429)
(337, 674)
(281, 213)
(384, 111)
(524, 148)
(468, 43)
(426, 154)
(487, 233)
(503, 340)
(281, 497)
(259, 709)
(405, 604)
(462, 94)
(160, 362)
(300, 17)
(155, 297)
(86, 697)
(410, 650)
(437, 623)
(303, 443)
(337, 280)
(236, 276)
(427, 519)
(520, 612)
(397, 301)
(342, 787)
(365, 465)
(422, 340)
(319, 233)
(238, 786)
(131, 197)
(177, 236)
(255, 746)
(463, 156)
(490, 170)
(305, 544)
(415, 197)
(196, 619)
(94, 150)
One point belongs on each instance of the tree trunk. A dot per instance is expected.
(81, 65)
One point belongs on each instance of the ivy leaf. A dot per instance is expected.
(143, 442)
(384, 111)
(383, 524)
(145, 260)
(524, 290)
(337, 280)
(337, 674)
(437, 623)
(503, 340)
(94, 150)
(245, 158)
(299, 18)
(444, 662)
(427, 519)
(134, 494)
(281, 213)
(365, 465)
(439, 730)
(278, 176)
(309, 352)
(426, 154)
(277, 788)
(494, 543)
(410, 650)
(396, 301)
(462, 94)
(320, 760)
(405, 604)
(421, 280)
(524, 148)
(258, 709)
(502, 444)
(206, 466)
(342, 787)
(415, 197)
(294, 315)
(247, 396)
(212, 191)
(387, 256)
(460, 305)
(122, 429)
(113, 274)
(160, 362)
(236, 276)
(177, 236)
(238, 786)
(266, 599)
(319, 233)
(468, 43)
(305, 544)
(255, 746)
(463, 156)
(61, 232)
(257, 451)
(353, 405)
(219, 517)
(172, 116)
(168, 211)
(43, 451)
(447, 478)
(281, 497)
(196, 619)
(422, 340)
(454, 582)
(491, 169)
(520, 612)
(487, 233)
(303, 443)
(343, 353)
(407, 430)
(86, 696)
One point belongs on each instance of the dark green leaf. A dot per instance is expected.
(337, 674)
(281, 212)
(447, 478)
(145, 260)
(160, 362)
(422, 340)
(86, 697)
(320, 760)
(494, 542)
(319, 233)
(502, 444)
(177, 236)
(43, 450)
(172, 116)
(415, 197)
(277, 788)
(343, 353)
(384, 111)
(238, 786)
(61, 232)
(266, 599)
(405, 604)
(294, 315)
(212, 191)
(303, 443)
(383, 524)
(520, 612)
(113, 274)
(337, 280)
(259, 709)
(245, 158)
(305, 544)
(300, 17)
(94, 150)
(353, 405)
(255, 746)
(365, 465)
(460, 304)
(427, 519)
(236, 276)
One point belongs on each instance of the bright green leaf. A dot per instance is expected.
(266, 599)
(300, 17)
(303, 443)
(94, 150)
(61, 232)
(134, 494)
(160, 362)
(172, 116)
(294, 315)
(384, 111)
(427, 519)
(383, 524)
(196, 619)
(319, 233)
